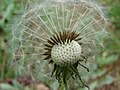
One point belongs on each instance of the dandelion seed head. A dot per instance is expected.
(66, 54)
(59, 31)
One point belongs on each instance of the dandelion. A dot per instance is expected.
(63, 33)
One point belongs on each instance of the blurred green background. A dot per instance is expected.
(108, 62)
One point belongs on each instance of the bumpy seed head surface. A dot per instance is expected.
(66, 54)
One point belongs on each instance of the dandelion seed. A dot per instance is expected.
(61, 32)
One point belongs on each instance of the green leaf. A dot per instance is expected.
(4, 86)
(102, 61)
(17, 85)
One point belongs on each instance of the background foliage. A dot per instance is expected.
(104, 76)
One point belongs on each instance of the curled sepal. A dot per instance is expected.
(78, 75)
(63, 74)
